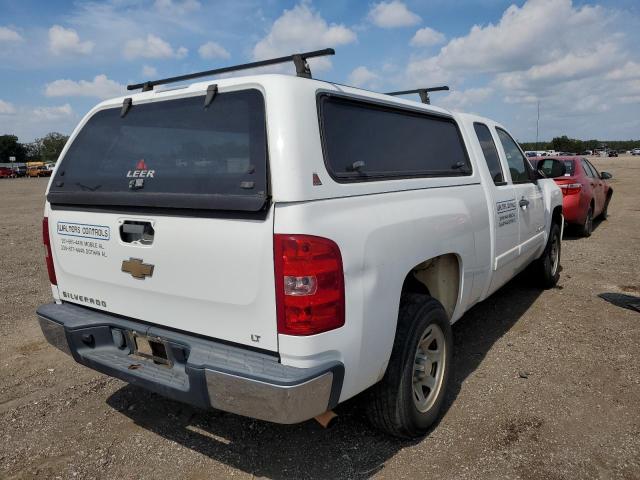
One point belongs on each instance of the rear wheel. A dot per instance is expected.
(408, 399)
(587, 226)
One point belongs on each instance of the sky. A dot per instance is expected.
(579, 60)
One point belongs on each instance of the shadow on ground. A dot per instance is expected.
(572, 232)
(350, 448)
(630, 302)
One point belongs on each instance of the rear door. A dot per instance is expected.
(597, 184)
(529, 199)
(504, 210)
(163, 216)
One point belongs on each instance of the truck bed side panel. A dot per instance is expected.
(381, 238)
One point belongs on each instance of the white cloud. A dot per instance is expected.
(426, 72)
(9, 35)
(459, 99)
(427, 37)
(363, 77)
(573, 65)
(6, 108)
(392, 15)
(630, 70)
(211, 50)
(52, 113)
(152, 47)
(66, 40)
(300, 29)
(32, 122)
(548, 50)
(100, 87)
(538, 32)
(149, 71)
(630, 92)
(179, 8)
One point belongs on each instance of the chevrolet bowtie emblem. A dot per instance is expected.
(137, 269)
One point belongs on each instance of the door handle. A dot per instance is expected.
(524, 203)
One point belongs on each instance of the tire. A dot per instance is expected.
(393, 405)
(587, 227)
(605, 211)
(548, 265)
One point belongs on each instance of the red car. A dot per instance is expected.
(586, 194)
(6, 172)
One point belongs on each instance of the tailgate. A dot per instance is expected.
(210, 276)
(190, 246)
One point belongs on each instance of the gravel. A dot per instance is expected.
(546, 384)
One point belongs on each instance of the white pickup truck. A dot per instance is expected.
(273, 245)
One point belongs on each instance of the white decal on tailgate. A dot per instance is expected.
(95, 232)
(88, 239)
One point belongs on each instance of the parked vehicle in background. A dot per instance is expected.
(612, 153)
(6, 172)
(585, 191)
(635, 151)
(537, 153)
(38, 171)
(20, 170)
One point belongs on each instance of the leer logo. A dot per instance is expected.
(141, 171)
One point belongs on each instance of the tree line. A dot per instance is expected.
(45, 149)
(566, 144)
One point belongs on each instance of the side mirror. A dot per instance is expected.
(605, 175)
(551, 168)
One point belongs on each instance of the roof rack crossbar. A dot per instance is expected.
(299, 59)
(423, 92)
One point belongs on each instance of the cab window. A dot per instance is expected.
(593, 169)
(490, 153)
(365, 141)
(587, 169)
(516, 160)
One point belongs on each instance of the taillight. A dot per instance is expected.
(309, 284)
(47, 251)
(570, 188)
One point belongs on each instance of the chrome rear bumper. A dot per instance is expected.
(266, 401)
(202, 372)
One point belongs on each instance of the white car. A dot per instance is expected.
(635, 151)
(273, 245)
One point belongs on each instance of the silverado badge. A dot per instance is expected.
(137, 269)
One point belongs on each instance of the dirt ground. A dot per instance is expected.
(546, 385)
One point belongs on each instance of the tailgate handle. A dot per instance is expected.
(137, 232)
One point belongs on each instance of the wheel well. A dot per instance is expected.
(438, 277)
